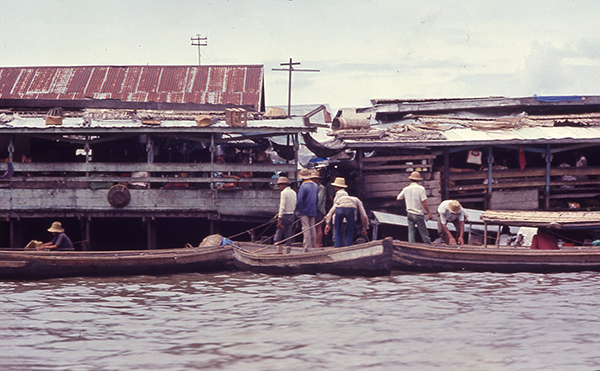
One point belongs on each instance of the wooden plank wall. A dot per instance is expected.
(381, 189)
(238, 202)
(385, 176)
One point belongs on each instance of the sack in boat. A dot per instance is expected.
(33, 245)
(212, 240)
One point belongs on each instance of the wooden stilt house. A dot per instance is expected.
(489, 153)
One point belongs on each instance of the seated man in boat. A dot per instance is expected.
(451, 211)
(505, 237)
(543, 240)
(60, 241)
(525, 236)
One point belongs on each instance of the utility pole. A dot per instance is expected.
(199, 41)
(290, 69)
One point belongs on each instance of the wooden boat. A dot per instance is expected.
(366, 259)
(47, 264)
(438, 257)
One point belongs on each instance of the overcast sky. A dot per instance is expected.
(363, 49)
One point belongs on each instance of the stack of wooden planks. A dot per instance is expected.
(548, 219)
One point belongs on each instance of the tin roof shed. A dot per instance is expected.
(220, 85)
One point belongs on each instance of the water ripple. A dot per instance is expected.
(449, 321)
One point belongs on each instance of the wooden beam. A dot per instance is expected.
(530, 172)
(113, 167)
(398, 158)
(396, 167)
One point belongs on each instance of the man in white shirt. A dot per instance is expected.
(416, 206)
(285, 216)
(451, 211)
(348, 209)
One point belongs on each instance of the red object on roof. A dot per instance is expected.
(238, 85)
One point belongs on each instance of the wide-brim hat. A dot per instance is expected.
(314, 174)
(415, 175)
(339, 182)
(283, 180)
(304, 174)
(56, 227)
(454, 207)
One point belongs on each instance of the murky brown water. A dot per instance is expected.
(240, 321)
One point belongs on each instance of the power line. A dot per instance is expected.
(291, 69)
(199, 42)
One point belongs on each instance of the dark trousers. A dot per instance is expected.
(442, 232)
(417, 222)
(341, 214)
(287, 222)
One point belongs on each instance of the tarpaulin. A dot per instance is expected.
(559, 98)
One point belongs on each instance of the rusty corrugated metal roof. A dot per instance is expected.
(239, 85)
(425, 130)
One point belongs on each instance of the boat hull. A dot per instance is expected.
(437, 258)
(368, 259)
(45, 264)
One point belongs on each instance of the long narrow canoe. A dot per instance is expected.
(367, 259)
(437, 258)
(46, 264)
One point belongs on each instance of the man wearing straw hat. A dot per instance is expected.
(306, 206)
(285, 216)
(451, 211)
(60, 240)
(344, 210)
(416, 205)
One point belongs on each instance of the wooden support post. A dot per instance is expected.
(547, 189)
(470, 233)
(12, 232)
(446, 183)
(484, 234)
(149, 149)
(11, 148)
(498, 236)
(212, 159)
(87, 239)
(490, 158)
(87, 150)
(151, 233)
(287, 144)
(150, 155)
(296, 148)
(361, 184)
(375, 231)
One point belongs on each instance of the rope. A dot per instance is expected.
(272, 237)
(299, 233)
(263, 232)
(251, 229)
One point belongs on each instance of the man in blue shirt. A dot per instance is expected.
(60, 241)
(306, 207)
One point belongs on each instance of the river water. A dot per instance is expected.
(243, 321)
